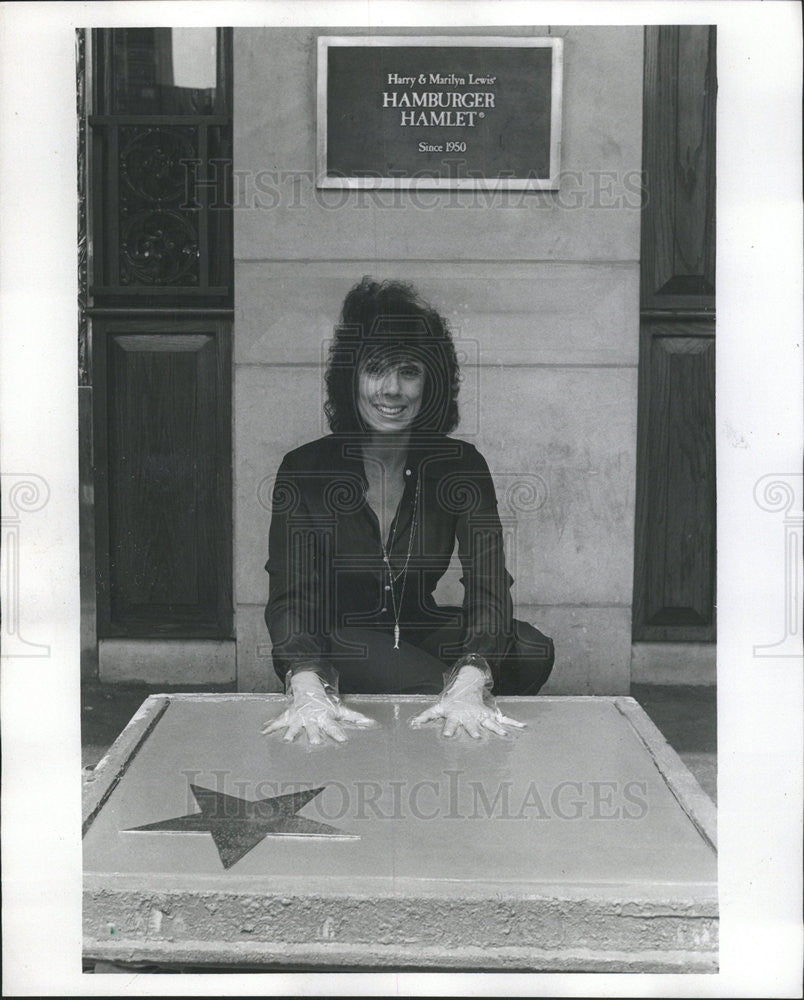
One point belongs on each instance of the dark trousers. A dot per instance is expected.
(418, 667)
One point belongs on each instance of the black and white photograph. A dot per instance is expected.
(402, 500)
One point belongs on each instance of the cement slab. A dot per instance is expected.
(581, 842)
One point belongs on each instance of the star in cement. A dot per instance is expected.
(237, 825)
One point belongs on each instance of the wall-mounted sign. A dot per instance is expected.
(439, 112)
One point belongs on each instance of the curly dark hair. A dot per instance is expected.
(388, 318)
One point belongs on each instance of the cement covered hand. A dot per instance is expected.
(466, 701)
(317, 710)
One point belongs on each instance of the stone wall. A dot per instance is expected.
(541, 289)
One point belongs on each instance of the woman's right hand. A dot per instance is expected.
(315, 710)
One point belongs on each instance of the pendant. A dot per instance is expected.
(396, 637)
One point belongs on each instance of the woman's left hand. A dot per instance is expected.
(464, 702)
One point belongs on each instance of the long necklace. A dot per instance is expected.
(397, 608)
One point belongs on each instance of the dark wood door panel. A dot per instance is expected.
(676, 540)
(678, 219)
(675, 544)
(163, 467)
(155, 315)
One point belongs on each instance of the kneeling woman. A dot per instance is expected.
(364, 525)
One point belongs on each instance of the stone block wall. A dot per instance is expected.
(542, 291)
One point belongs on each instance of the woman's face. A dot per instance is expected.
(390, 393)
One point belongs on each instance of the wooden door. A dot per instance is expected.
(674, 571)
(163, 479)
(156, 305)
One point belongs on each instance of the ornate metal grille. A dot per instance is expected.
(161, 210)
(158, 237)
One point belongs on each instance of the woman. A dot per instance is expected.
(364, 524)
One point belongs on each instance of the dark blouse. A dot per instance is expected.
(326, 563)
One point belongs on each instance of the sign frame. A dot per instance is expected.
(548, 183)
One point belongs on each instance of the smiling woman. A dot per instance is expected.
(364, 525)
(390, 394)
